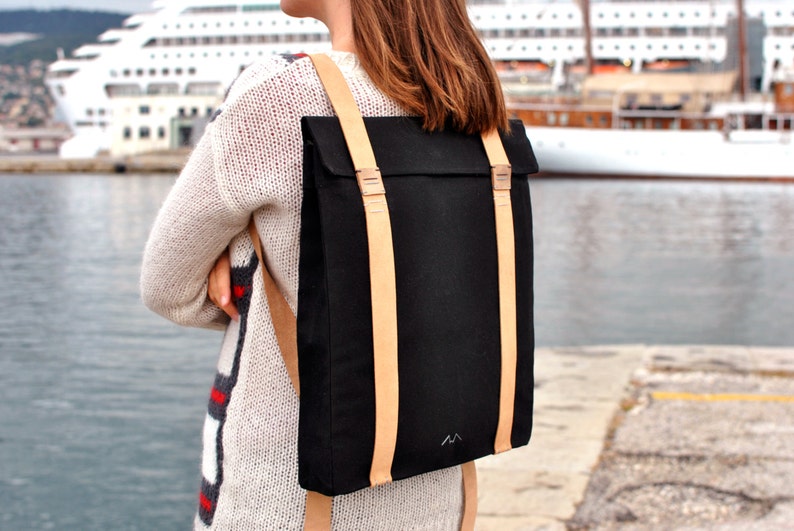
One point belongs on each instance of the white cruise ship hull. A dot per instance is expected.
(745, 154)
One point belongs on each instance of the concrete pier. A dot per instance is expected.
(640, 437)
(161, 162)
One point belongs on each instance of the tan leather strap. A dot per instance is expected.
(318, 506)
(506, 250)
(347, 111)
(284, 322)
(381, 267)
(469, 472)
(318, 512)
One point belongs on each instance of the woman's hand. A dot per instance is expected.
(219, 288)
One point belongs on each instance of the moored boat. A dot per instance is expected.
(670, 119)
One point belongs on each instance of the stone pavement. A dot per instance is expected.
(639, 437)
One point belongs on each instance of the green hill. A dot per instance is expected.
(59, 28)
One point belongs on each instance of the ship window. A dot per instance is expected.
(588, 119)
(178, 71)
(551, 118)
(152, 72)
(657, 124)
(127, 133)
(144, 109)
(139, 72)
(126, 72)
(564, 118)
(261, 7)
(161, 132)
(101, 112)
(602, 120)
(166, 71)
(211, 9)
(89, 112)
(163, 88)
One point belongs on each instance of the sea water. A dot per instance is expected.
(102, 401)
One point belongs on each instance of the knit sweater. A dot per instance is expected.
(250, 161)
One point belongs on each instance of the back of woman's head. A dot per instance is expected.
(426, 55)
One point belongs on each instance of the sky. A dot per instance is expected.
(119, 6)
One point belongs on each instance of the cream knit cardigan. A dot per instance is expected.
(250, 161)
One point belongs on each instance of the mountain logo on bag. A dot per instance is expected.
(451, 439)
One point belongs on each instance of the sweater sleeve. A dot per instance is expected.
(192, 229)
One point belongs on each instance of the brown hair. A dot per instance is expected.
(427, 56)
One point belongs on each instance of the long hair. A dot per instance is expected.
(427, 56)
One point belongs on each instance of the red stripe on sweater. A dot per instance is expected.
(205, 502)
(239, 291)
(218, 397)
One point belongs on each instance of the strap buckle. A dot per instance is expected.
(370, 181)
(500, 176)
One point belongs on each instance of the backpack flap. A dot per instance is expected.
(403, 148)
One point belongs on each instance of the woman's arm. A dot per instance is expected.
(193, 228)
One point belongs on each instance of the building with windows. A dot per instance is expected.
(159, 122)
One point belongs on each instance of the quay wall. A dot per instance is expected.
(161, 162)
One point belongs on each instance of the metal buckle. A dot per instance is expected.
(500, 176)
(370, 181)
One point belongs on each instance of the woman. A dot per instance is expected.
(415, 57)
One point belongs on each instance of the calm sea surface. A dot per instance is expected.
(102, 402)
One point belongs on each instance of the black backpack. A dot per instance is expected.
(414, 331)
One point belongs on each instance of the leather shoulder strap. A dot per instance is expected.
(383, 283)
(284, 322)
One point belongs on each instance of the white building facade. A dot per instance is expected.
(151, 123)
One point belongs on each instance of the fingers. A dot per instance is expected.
(219, 287)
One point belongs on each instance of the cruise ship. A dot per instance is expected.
(197, 48)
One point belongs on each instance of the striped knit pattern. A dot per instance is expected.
(250, 161)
